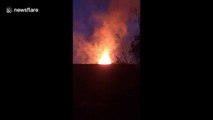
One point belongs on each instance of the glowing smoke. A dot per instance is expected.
(110, 29)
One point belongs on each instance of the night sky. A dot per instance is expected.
(82, 11)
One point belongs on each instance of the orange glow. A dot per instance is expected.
(105, 58)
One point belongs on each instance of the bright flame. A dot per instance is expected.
(105, 59)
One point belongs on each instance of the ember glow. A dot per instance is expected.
(105, 58)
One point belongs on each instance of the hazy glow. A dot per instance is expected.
(105, 58)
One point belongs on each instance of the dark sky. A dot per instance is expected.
(83, 9)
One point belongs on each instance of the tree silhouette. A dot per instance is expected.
(133, 55)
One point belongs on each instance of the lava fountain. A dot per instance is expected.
(105, 58)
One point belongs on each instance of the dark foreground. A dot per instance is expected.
(106, 92)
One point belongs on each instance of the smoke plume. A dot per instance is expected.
(108, 32)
